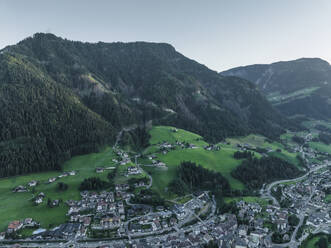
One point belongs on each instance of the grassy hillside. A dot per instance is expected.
(69, 98)
(294, 87)
(19, 205)
(171, 134)
(277, 98)
(221, 161)
(259, 141)
(321, 147)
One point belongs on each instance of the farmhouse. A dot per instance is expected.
(132, 170)
(33, 183)
(63, 175)
(38, 200)
(52, 179)
(14, 226)
(72, 173)
(99, 170)
(20, 189)
(29, 222)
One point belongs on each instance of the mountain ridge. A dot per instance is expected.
(301, 86)
(102, 87)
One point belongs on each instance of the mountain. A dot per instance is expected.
(59, 98)
(301, 86)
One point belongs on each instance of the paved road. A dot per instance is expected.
(266, 192)
(141, 169)
(270, 186)
(293, 243)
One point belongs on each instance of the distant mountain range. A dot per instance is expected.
(299, 87)
(59, 98)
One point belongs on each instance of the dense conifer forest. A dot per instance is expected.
(255, 172)
(60, 98)
(192, 177)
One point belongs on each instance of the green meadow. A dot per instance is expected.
(321, 147)
(17, 206)
(262, 142)
(312, 123)
(166, 133)
(277, 97)
(221, 161)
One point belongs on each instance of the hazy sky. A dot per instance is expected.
(220, 34)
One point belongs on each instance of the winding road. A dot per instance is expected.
(266, 193)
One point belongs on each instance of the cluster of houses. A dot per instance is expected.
(93, 202)
(279, 217)
(153, 222)
(309, 195)
(166, 219)
(99, 211)
(64, 174)
(254, 232)
(179, 225)
(67, 231)
(212, 148)
(247, 147)
(22, 188)
(223, 231)
(166, 147)
(39, 198)
(18, 225)
(318, 218)
(123, 156)
(133, 170)
(156, 163)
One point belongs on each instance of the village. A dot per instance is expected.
(183, 225)
(287, 213)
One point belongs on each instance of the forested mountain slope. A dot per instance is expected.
(301, 86)
(59, 98)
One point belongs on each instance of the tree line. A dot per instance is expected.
(255, 172)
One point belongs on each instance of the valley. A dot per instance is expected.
(175, 153)
(165, 124)
(154, 168)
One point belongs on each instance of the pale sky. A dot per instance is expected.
(220, 34)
